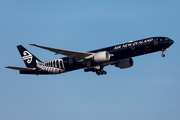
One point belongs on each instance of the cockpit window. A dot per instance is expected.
(166, 38)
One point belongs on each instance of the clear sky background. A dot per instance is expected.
(150, 90)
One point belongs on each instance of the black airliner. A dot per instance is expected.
(92, 61)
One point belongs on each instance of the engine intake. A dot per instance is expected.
(101, 57)
(125, 63)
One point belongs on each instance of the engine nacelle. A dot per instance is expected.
(125, 63)
(101, 57)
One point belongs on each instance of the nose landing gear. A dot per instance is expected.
(163, 55)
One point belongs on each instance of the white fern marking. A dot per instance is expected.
(27, 56)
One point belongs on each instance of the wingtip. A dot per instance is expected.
(32, 44)
(7, 67)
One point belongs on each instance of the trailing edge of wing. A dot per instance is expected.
(20, 68)
(68, 53)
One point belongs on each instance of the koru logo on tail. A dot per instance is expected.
(27, 56)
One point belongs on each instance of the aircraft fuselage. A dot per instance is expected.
(117, 52)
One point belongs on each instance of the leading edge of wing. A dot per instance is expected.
(68, 53)
(20, 68)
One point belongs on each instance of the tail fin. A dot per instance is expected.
(28, 58)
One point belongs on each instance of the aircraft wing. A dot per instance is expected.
(20, 68)
(68, 53)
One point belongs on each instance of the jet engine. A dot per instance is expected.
(125, 63)
(101, 57)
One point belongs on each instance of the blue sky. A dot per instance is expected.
(149, 90)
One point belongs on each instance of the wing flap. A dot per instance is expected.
(20, 68)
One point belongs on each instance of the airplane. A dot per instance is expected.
(93, 61)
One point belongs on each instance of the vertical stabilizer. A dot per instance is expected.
(28, 58)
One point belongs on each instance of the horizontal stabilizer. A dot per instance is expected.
(20, 68)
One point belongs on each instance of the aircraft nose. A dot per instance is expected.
(171, 41)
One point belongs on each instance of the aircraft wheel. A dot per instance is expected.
(97, 72)
(163, 55)
(104, 72)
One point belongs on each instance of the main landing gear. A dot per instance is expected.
(98, 71)
(102, 72)
(163, 55)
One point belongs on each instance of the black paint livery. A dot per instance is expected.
(94, 61)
